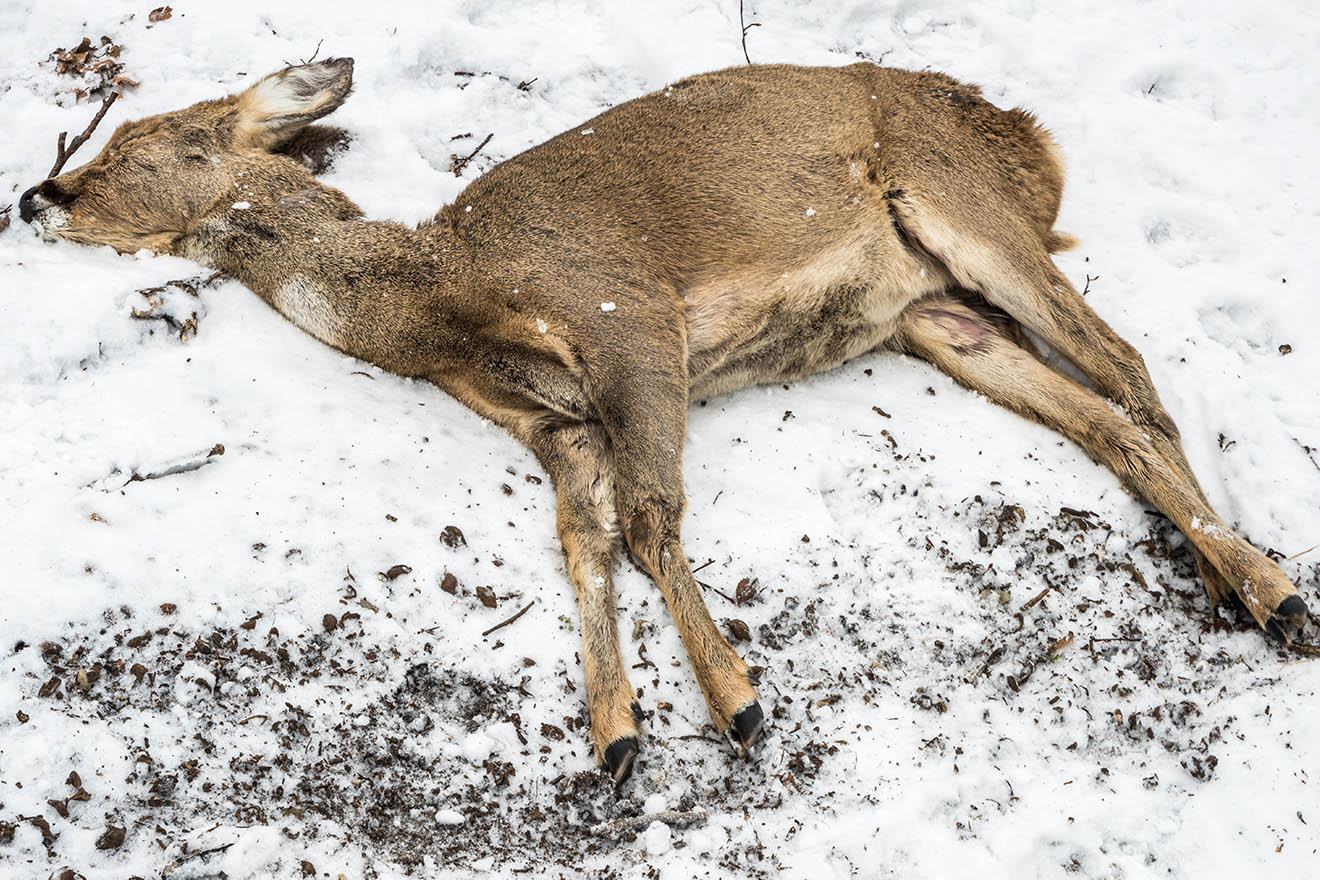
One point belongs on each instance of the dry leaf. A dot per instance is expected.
(113, 838)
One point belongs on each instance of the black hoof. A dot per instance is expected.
(1288, 619)
(746, 725)
(619, 758)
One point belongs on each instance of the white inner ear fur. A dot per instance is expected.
(298, 91)
(283, 102)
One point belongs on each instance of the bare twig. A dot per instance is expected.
(742, 22)
(989, 661)
(505, 623)
(61, 154)
(154, 311)
(117, 479)
(316, 51)
(1308, 450)
(457, 163)
(1033, 600)
(4, 217)
(679, 818)
(1304, 552)
(195, 854)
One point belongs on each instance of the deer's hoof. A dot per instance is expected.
(619, 757)
(745, 726)
(1286, 623)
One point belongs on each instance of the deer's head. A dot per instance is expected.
(160, 178)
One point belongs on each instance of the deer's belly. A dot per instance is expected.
(750, 330)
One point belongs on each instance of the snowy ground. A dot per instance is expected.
(222, 660)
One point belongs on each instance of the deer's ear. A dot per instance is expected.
(278, 107)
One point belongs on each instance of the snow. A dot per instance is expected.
(658, 839)
(924, 718)
(607, 307)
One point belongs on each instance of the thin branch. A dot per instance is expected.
(703, 565)
(61, 154)
(195, 854)
(457, 164)
(1308, 450)
(316, 51)
(117, 479)
(1304, 552)
(1038, 597)
(679, 818)
(742, 22)
(505, 623)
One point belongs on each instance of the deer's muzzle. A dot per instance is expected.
(46, 194)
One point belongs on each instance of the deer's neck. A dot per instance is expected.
(369, 289)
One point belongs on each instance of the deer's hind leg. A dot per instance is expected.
(963, 341)
(577, 458)
(1007, 261)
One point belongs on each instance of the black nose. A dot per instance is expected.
(50, 194)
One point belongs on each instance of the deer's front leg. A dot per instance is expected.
(646, 417)
(578, 461)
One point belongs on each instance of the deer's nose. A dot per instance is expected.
(40, 197)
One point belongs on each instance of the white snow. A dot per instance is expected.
(242, 206)
(1189, 134)
(607, 307)
(657, 839)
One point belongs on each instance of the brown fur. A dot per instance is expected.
(751, 225)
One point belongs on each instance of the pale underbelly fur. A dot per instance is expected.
(850, 300)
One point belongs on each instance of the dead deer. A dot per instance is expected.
(757, 224)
